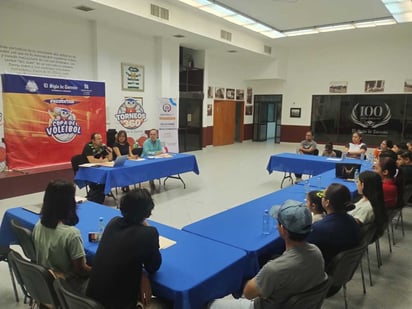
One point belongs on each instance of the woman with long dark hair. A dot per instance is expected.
(391, 181)
(59, 245)
(371, 207)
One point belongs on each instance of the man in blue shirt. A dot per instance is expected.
(152, 147)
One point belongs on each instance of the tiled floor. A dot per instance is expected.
(231, 175)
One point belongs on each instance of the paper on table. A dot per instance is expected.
(165, 242)
(334, 159)
(88, 164)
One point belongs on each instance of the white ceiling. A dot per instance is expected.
(280, 14)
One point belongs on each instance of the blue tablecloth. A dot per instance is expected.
(136, 171)
(241, 226)
(194, 270)
(303, 164)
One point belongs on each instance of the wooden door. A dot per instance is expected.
(224, 123)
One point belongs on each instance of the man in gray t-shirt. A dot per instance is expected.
(308, 147)
(299, 268)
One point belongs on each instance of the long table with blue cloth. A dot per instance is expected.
(241, 226)
(194, 270)
(136, 171)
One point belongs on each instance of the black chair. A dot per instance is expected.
(37, 280)
(338, 153)
(4, 251)
(316, 152)
(24, 236)
(310, 299)
(77, 160)
(70, 299)
(342, 267)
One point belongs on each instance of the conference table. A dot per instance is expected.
(306, 164)
(194, 270)
(241, 226)
(137, 171)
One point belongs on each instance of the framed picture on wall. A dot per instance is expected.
(210, 92)
(230, 93)
(248, 110)
(132, 77)
(407, 86)
(374, 86)
(209, 109)
(295, 112)
(249, 96)
(240, 95)
(338, 87)
(219, 93)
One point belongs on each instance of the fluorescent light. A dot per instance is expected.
(301, 32)
(273, 34)
(217, 10)
(385, 22)
(338, 27)
(403, 18)
(196, 3)
(240, 20)
(257, 27)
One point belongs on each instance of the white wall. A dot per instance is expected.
(312, 68)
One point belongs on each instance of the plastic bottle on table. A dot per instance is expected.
(266, 226)
(100, 227)
(356, 175)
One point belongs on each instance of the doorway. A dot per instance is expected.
(190, 121)
(224, 123)
(267, 115)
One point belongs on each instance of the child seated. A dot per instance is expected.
(314, 204)
(328, 152)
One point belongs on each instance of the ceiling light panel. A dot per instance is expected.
(196, 3)
(217, 10)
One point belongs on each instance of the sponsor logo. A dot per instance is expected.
(63, 126)
(31, 86)
(371, 116)
(131, 114)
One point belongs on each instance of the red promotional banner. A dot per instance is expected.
(48, 120)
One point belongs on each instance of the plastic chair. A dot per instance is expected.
(70, 299)
(4, 251)
(310, 299)
(342, 267)
(24, 236)
(37, 280)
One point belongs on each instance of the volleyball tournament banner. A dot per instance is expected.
(168, 124)
(48, 120)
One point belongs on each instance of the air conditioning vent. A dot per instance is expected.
(267, 49)
(226, 35)
(158, 11)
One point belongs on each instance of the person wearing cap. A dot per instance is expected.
(298, 269)
(337, 231)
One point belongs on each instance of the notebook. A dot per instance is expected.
(346, 170)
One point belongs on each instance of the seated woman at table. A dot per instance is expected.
(371, 207)
(122, 147)
(386, 144)
(391, 181)
(356, 147)
(128, 245)
(58, 244)
(314, 204)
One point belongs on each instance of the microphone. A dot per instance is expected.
(107, 149)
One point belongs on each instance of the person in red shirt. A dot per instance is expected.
(387, 169)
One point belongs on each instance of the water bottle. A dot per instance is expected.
(362, 156)
(100, 227)
(356, 175)
(266, 226)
